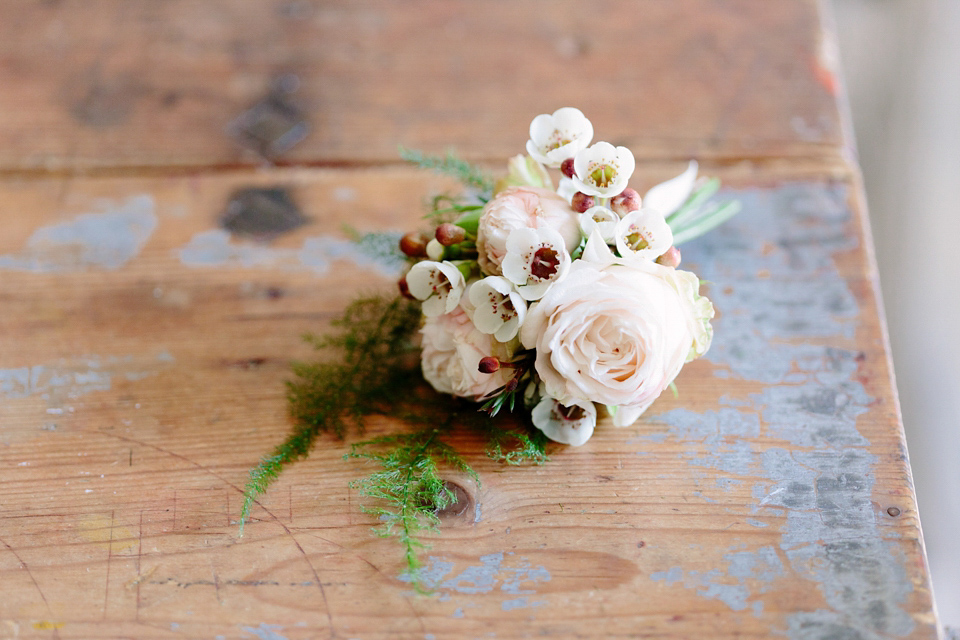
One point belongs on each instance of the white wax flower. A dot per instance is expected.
(558, 136)
(668, 196)
(520, 208)
(571, 424)
(603, 220)
(616, 334)
(438, 284)
(497, 308)
(451, 354)
(603, 170)
(643, 234)
(535, 260)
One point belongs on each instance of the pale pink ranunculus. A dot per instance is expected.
(451, 352)
(617, 334)
(522, 208)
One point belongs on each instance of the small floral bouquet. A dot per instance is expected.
(566, 301)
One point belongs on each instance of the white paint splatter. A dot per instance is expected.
(217, 248)
(67, 379)
(107, 239)
(266, 631)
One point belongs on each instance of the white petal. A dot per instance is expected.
(669, 196)
(651, 226)
(603, 153)
(535, 291)
(566, 127)
(597, 251)
(602, 219)
(419, 279)
(438, 284)
(566, 189)
(559, 429)
(625, 416)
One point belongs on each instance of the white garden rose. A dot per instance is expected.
(522, 208)
(451, 353)
(617, 334)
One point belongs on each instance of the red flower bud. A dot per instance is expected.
(449, 234)
(581, 202)
(489, 365)
(566, 167)
(414, 244)
(625, 202)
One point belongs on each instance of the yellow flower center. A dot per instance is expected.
(636, 241)
(602, 175)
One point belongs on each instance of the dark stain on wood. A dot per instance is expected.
(262, 213)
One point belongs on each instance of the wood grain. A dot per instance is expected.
(107, 84)
(154, 386)
(145, 347)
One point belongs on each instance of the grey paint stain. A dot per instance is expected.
(496, 571)
(520, 603)
(107, 239)
(216, 248)
(733, 586)
(776, 330)
(70, 379)
(266, 631)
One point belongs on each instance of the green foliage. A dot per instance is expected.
(450, 165)
(529, 446)
(381, 246)
(373, 364)
(371, 367)
(408, 489)
(698, 214)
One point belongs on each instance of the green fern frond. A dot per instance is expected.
(517, 446)
(408, 488)
(451, 165)
(371, 365)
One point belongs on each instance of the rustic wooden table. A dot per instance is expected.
(144, 347)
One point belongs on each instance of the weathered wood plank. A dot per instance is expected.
(96, 84)
(143, 365)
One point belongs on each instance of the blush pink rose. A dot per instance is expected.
(522, 208)
(617, 334)
(451, 352)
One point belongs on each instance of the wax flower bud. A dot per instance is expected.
(625, 202)
(449, 234)
(414, 244)
(671, 258)
(581, 202)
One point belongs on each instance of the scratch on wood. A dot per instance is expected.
(238, 489)
(106, 585)
(33, 578)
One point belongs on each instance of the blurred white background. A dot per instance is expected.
(901, 61)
